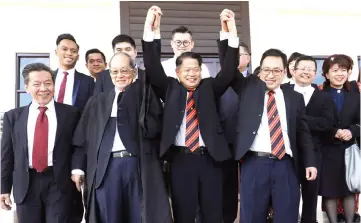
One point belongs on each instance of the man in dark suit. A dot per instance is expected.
(36, 153)
(320, 118)
(119, 132)
(95, 62)
(192, 137)
(271, 137)
(71, 86)
(126, 44)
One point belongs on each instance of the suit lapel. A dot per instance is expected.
(104, 110)
(288, 101)
(60, 119)
(22, 130)
(76, 86)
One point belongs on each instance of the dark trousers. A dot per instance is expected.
(310, 195)
(118, 197)
(196, 179)
(230, 191)
(264, 179)
(44, 203)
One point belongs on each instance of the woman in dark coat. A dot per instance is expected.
(346, 129)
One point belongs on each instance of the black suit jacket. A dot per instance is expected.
(348, 118)
(104, 82)
(14, 150)
(174, 95)
(251, 91)
(319, 113)
(82, 89)
(144, 116)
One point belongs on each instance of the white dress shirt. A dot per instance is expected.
(52, 125)
(148, 36)
(262, 141)
(68, 97)
(305, 91)
(117, 144)
(170, 67)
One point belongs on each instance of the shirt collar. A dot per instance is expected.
(50, 106)
(303, 89)
(70, 72)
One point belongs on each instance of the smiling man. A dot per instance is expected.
(95, 62)
(319, 117)
(71, 87)
(36, 153)
(124, 177)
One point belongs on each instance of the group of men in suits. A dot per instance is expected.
(204, 128)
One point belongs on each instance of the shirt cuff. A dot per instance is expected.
(78, 172)
(223, 35)
(148, 36)
(233, 42)
(156, 36)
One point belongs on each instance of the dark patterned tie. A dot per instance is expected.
(192, 129)
(40, 146)
(274, 123)
(62, 88)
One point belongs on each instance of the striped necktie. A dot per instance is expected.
(274, 123)
(192, 125)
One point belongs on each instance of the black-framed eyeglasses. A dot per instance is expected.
(185, 43)
(276, 71)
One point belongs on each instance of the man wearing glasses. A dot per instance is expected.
(181, 42)
(272, 139)
(319, 117)
(124, 178)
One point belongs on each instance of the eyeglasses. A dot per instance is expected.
(194, 70)
(308, 70)
(276, 71)
(184, 43)
(124, 72)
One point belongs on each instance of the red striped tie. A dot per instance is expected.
(274, 123)
(40, 145)
(62, 88)
(192, 129)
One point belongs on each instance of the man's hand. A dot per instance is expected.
(231, 23)
(311, 173)
(338, 134)
(78, 180)
(5, 201)
(345, 135)
(225, 16)
(151, 21)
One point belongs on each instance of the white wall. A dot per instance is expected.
(311, 27)
(30, 26)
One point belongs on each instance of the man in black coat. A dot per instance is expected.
(192, 137)
(126, 44)
(271, 137)
(36, 153)
(319, 118)
(119, 132)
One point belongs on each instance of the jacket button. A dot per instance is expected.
(177, 126)
(260, 115)
(254, 133)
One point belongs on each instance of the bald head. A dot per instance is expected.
(121, 59)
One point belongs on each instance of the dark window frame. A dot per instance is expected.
(18, 57)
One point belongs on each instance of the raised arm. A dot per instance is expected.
(238, 81)
(152, 61)
(229, 68)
